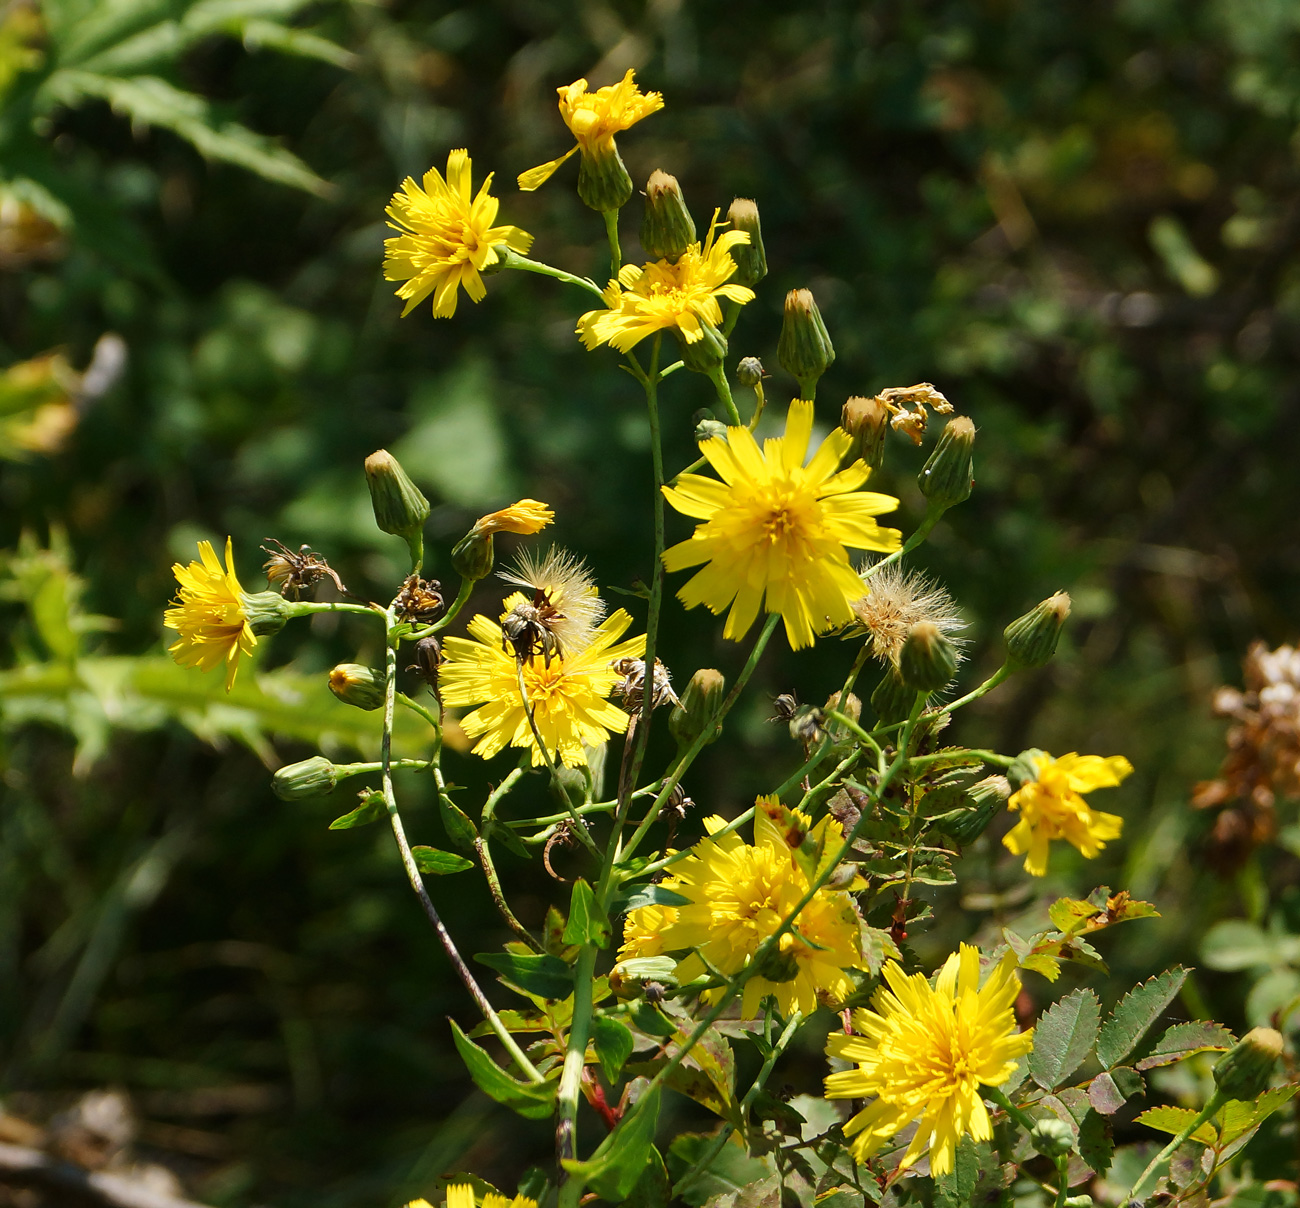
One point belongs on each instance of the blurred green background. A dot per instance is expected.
(1080, 222)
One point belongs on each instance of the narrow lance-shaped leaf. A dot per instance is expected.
(534, 1101)
(1062, 1038)
(432, 862)
(612, 1171)
(588, 923)
(541, 974)
(1135, 1014)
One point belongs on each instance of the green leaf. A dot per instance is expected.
(1185, 1040)
(653, 1189)
(1237, 1117)
(1173, 1120)
(372, 809)
(538, 973)
(646, 895)
(1135, 1014)
(957, 1187)
(588, 923)
(432, 862)
(1070, 914)
(613, 1042)
(1062, 1038)
(1096, 1146)
(616, 1166)
(534, 1101)
(731, 1170)
(651, 1020)
(460, 830)
(1109, 1091)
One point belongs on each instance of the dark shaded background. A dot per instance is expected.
(1079, 221)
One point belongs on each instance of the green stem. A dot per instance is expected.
(987, 686)
(466, 586)
(615, 252)
(718, 376)
(996, 1096)
(925, 761)
(305, 608)
(343, 770)
(1217, 1100)
(513, 259)
(853, 728)
(575, 1057)
(420, 710)
(922, 531)
(488, 819)
(1062, 1180)
(413, 873)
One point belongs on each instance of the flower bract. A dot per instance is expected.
(739, 894)
(594, 118)
(1051, 806)
(660, 296)
(446, 237)
(209, 614)
(567, 691)
(777, 528)
(922, 1054)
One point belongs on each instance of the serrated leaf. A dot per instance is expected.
(435, 863)
(1173, 1120)
(588, 923)
(1069, 914)
(1187, 1039)
(1109, 1091)
(1237, 1117)
(878, 946)
(538, 973)
(534, 1101)
(1062, 1037)
(1096, 1146)
(1135, 1014)
(958, 1185)
(613, 1170)
(613, 1043)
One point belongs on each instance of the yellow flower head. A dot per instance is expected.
(210, 615)
(567, 693)
(525, 517)
(594, 118)
(446, 237)
(924, 1052)
(739, 895)
(1052, 807)
(461, 1195)
(682, 296)
(778, 526)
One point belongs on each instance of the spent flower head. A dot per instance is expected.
(895, 600)
(775, 530)
(446, 237)
(1051, 806)
(561, 597)
(210, 614)
(922, 1052)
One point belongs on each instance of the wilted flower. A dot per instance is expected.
(895, 600)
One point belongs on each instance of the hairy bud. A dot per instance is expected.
(355, 684)
(804, 349)
(314, 777)
(948, 476)
(667, 228)
(750, 258)
(1031, 639)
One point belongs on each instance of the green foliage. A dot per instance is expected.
(1063, 1038)
(531, 1100)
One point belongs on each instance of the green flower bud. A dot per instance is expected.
(1052, 1138)
(603, 182)
(852, 705)
(867, 421)
(314, 777)
(667, 228)
(985, 800)
(780, 965)
(750, 258)
(267, 611)
(928, 660)
(705, 354)
(1031, 639)
(355, 684)
(474, 555)
(805, 348)
(749, 372)
(1245, 1070)
(697, 706)
(892, 700)
(400, 506)
(947, 478)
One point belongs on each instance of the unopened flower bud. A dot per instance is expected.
(400, 506)
(1078, 1201)
(867, 421)
(1051, 1137)
(473, 556)
(750, 258)
(667, 228)
(697, 706)
(267, 611)
(705, 354)
(948, 477)
(984, 800)
(892, 700)
(603, 182)
(852, 707)
(928, 659)
(314, 777)
(708, 426)
(780, 964)
(749, 372)
(356, 684)
(1031, 639)
(804, 349)
(1244, 1071)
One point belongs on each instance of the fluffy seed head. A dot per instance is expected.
(896, 600)
(570, 590)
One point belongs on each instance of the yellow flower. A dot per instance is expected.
(1051, 807)
(567, 693)
(594, 118)
(739, 895)
(210, 615)
(446, 237)
(461, 1195)
(526, 517)
(925, 1052)
(778, 526)
(659, 296)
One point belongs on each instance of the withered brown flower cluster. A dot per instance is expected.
(1263, 761)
